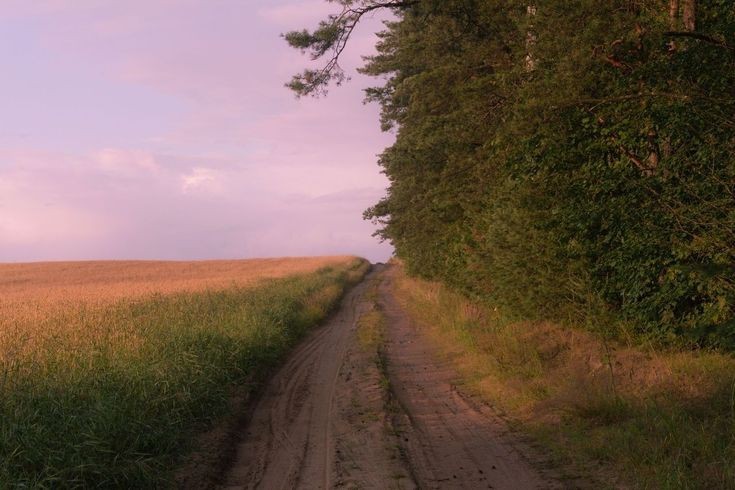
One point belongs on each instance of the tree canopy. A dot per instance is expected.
(569, 159)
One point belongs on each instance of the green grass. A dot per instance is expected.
(371, 324)
(614, 413)
(123, 409)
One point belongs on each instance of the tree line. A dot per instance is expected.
(570, 160)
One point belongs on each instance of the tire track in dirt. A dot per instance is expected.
(325, 420)
(449, 441)
(290, 441)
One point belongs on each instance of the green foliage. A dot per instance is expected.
(577, 163)
(119, 418)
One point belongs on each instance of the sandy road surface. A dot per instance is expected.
(450, 441)
(324, 422)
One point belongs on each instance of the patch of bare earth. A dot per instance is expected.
(367, 448)
(325, 419)
(449, 440)
(318, 423)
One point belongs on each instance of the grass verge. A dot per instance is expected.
(647, 418)
(117, 400)
(371, 325)
(371, 335)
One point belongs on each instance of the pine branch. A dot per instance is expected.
(332, 35)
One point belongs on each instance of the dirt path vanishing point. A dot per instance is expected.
(324, 420)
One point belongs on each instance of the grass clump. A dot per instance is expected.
(111, 396)
(653, 418)
(371, 324)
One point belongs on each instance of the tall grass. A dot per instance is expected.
(111, 396)
(650, 418)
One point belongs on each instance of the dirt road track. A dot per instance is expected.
(450, 441)
(323, 421)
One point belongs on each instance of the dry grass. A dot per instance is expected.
(658, 419)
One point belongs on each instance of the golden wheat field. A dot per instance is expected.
(106, 281)
(106, 368)
(47, 301)
(68, 303)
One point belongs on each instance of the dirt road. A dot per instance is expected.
(327, 420)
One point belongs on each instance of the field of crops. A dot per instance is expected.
(108, 369)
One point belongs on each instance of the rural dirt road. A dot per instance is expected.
(326, 419)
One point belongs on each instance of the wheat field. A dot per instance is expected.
(106, 281)
(56, 301)
(107, 369)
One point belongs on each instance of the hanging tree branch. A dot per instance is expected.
(329, 40)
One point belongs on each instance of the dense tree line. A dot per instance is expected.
(567, 159)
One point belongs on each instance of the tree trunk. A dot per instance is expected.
(530, 39)
(690, 15)
(653, 150)
(673, 14)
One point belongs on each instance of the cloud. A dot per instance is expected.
(13, 9)
(125, 162)
(31, 214)
(186, 209)
(123, 25)
(161, 129)
(297, 14)
(200, 179)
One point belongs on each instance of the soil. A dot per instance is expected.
(450, 440)
(338, 416)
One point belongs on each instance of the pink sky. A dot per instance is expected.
(161, 129)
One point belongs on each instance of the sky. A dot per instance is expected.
(161, 129)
